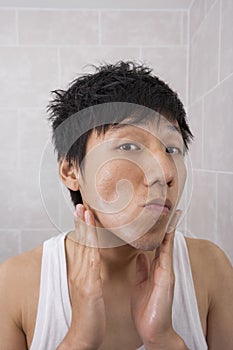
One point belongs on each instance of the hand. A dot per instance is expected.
(87, 328)
(153, 295)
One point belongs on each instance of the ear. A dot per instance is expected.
(69, 174)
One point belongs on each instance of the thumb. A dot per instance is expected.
(142, 270)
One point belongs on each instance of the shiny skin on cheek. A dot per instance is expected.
(115, 176)
(119, 185)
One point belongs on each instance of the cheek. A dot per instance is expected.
(181, 178)
(118, 178)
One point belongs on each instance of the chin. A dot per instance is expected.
(148, 242)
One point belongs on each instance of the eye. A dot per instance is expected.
(129, 147)
(174, 150)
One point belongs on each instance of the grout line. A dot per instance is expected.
(205, 7)
(213, 3)
(219, 40)
(26, 107)
(27, 229)
(70, 46)
(94, 9)
(203, 19)
(191, 5)
(213, 171)
(211, 89)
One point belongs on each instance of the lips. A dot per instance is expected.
(166, 203)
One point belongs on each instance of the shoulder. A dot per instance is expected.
(22, 265)
(213, 272)
(210, 264)
(19, 278)
(205, 252)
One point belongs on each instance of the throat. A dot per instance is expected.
(118, 265)
(121, 332)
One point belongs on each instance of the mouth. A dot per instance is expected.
(163, 206)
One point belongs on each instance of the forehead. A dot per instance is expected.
(161, 129)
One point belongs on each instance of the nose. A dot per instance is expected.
(160, 169)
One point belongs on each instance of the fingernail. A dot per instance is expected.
(78, 210)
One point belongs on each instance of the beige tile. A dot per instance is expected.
(76, 60)
(185, 28)
(21, 205)
(141, 28)
(38, 190)
(226, 50)
(27, 76)
(136, 4)
(170, 65)
(10, 218)
(195, 113)
(9, 139)
(209, 4)
(202, 212)
(7, 27)
(30, 239)
(204, 55)
(53, 27)
(197, 13)
(34, 130)
(51, 190)
(218, 126)
(9, 243)
(225, 214)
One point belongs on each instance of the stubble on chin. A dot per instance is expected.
(148, 242)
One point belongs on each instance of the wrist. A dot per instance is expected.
(172, 341)
(69, 344)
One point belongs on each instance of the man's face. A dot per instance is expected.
(133, 178)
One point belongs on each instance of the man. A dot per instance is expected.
(124, 278)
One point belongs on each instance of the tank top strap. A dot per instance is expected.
(185, 313)
(54, 308)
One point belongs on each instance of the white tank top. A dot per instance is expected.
(54, 308)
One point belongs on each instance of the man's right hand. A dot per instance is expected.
(87, 329)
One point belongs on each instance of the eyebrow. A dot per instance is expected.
(174, 128)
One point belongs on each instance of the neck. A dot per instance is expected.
(117, 263)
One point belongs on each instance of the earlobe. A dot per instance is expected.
(69, 174)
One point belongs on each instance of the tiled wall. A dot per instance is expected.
(210, 109)
(43, 49)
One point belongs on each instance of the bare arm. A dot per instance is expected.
(11, 335)
(220, 316)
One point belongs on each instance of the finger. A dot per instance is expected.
(78, 239)
(78, 235)
(165, 257)
(86, 257)
(174, 221)
(92, 239)
(142, 269)
(92, 250)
